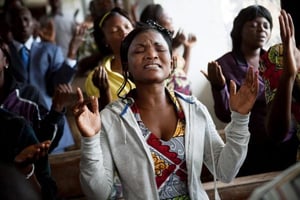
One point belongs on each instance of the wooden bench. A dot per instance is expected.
(65, 171)
(240, 188)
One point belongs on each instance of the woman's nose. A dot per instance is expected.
(151, 55)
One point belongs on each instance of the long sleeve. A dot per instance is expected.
(228, 157)
(231, 71)
(235, 150)
(96, 180)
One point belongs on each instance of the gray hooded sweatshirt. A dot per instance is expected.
(121, 147)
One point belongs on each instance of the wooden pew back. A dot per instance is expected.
(65, 171)
(240, 188)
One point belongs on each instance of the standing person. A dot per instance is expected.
(157, 139)
(281, 71)
(250, 32)
(44, 66)
(178, 80)
(64, 27)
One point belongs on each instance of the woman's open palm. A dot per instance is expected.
(242, 101)
(87, 115)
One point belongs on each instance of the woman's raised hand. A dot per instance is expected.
(214, 75)
(242, 101)
(87, 116)
(287, 34)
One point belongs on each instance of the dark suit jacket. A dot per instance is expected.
(47, 68)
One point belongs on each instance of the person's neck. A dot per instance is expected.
(151, 96)
(252, 56)
(116, 64)
(250, 52)
(23, 40)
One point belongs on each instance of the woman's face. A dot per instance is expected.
(256, 33)
(115, 30)
(149, 59)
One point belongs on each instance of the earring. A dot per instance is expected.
(6, 66)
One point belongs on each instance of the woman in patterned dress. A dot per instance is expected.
(155, 138)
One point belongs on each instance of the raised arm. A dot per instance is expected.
(279, 110)
(220, 91)
(188, 45)
(242, 101)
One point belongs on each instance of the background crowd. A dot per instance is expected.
(44, 60)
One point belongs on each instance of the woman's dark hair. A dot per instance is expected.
(247, 14)
(151, 11)
(140, 28)
(98, 32)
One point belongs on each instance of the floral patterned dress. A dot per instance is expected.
(271, 69)
(168, 157)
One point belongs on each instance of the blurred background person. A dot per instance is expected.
(42, 64)
(251, 30)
